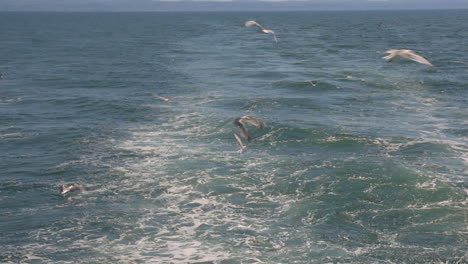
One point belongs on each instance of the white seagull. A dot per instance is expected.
(75, 187)
(261, 29)
(162, 98)
(239, 122)
(408, 54)
(241, 145)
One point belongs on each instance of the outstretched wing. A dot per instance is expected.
(81, 187)
(417, 58)
(252, 23)
(251, 120)
(163, 98)
(274, 37)
(238, 122)
(391, 55)
(241, 145)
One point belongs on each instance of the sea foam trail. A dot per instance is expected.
(367, 166)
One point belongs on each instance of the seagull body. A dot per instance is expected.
(261, 29)
(408, 54)
(75, 187)
(239, 122)
(241, 145)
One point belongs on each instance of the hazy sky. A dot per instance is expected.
(233, 5)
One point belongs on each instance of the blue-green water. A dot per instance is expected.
(368, 166)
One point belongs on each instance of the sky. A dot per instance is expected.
(225, 5)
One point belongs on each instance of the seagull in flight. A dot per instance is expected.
(75, 187)
(240, 121)
(408, 54)
(261, 29)
(165, 99)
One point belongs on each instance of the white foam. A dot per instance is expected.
(11, 101)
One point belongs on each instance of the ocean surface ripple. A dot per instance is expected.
(360, 161)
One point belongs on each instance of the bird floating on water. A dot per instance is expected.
(261, 29)
(75, 187)
(408, 54)
(239, 122)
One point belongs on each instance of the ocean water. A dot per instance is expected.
(367, 166)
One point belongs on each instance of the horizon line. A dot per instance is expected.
(237, 10)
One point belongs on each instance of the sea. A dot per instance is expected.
(359, 160)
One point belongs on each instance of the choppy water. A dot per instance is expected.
(368, 166)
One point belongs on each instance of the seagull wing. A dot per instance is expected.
(252, 23)
(243, 130)
(417, 58)
(239, 141)
(163, 98)
(391, 55)
(269, 31)
(251, 120)
(274, 37)
(81, 187)
(75, 187)
(65, 190)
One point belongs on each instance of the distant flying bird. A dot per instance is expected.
(75, 187)
(408, 54)
(239, 122)
(165, 99)
(241, 145)
(261, 29)
(313, 83)
(1, 75)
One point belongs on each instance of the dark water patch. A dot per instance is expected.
(268, 75)
(307, 86)
(9, 186)
(416, 149)
(457, 132)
